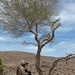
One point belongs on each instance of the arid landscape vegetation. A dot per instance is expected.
(12, 60)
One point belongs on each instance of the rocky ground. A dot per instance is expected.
(12, 60)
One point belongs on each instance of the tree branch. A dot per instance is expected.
(53, 28)
(57, 26)
(8, 14)
(25, 42)
(70, 56)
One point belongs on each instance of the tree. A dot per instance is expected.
(30, 16)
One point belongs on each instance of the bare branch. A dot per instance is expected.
(45, 37)
(57, 26)
(54, 26)
(2, 21)
(68, 57)
(26, 42)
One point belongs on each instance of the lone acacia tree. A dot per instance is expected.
(30, 16)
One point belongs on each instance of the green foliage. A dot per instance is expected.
(22, 16)
(1, 66)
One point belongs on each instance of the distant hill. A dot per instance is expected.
(14, 57)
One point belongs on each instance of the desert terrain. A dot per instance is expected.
(12, 59)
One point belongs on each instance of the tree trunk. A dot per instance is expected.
(38, 61)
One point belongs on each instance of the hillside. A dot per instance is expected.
(12, 59)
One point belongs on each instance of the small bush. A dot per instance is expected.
(1, 66)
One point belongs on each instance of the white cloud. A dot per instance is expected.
(60, 49)
(65, 46)
(30, 36)
(30, 48)
(33, 49)
(2, 38)
(47, 49)
(66, 28)
(67, 15)
(9, 39)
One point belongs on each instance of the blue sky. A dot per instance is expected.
(64, 36)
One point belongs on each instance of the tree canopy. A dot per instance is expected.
(21, 16)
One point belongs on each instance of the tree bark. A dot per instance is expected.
(37, 64)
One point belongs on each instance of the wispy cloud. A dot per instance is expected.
(2, 39)
(9, 39)
(30, 36)
(60, 48)
(66, 27)
(68, 46)
(30, 48)
(67, 15)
